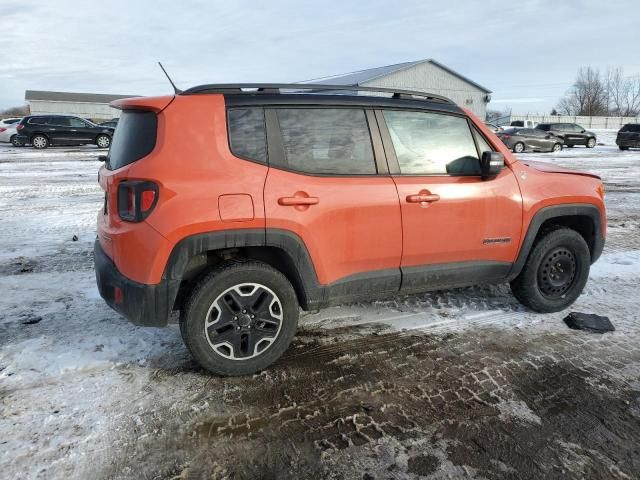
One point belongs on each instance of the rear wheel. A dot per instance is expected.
(518, 147)
(39, 142)
(555, 272)
(591, 143)
(14, 141)
(103, 141)
(623, 148)
(240, 318)
(557, 147)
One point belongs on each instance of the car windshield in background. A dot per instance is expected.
(134, 138)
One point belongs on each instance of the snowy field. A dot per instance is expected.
(457, 384)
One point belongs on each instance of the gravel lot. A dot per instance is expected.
(457, 384)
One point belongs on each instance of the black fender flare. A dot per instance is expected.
(558, 211)
(310, 290)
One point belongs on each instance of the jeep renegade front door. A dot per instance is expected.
(457, 226)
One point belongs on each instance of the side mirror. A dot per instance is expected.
(491, 164)
(102, 158)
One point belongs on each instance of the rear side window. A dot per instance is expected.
(631, 128)
(327, 140)
(58, 121)
(135, 138)
(432, 143)
(545, 128)
(37, 121)
(247, 135)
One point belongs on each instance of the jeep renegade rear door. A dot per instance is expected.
(323, 185)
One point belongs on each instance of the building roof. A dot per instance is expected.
(72, 97)
(362, 76)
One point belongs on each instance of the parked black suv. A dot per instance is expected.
(572, 133)
(629, 136)
(43, 130)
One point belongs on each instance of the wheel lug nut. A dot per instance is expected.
(237, 328)
(244, 311)
(253, 316)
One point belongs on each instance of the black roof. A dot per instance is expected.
(313, 94)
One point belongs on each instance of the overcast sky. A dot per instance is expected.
(527, 52)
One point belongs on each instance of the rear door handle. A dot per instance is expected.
(423, 198)
(298, 201)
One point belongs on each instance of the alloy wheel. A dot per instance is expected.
(103, 141)
(243, 321)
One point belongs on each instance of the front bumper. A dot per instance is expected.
(144, 305)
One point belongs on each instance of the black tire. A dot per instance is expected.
(557, 147)
(519, 147)
(591, 142)
(541, 285)
(623, 148)
(14, 141)
(39, 141)
(214, 296)
(103, 141)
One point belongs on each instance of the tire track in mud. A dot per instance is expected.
(359, 397)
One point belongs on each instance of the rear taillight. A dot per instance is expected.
(503, 136)
(19, 127)
(136, 199)
(2, 129)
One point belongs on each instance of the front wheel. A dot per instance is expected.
(591, 143)
(240, 318)
(557, 147)
(518, 147)
(555, 272)
(103, 141)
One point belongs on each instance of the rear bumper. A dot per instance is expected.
(144, 305)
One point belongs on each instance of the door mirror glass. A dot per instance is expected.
(491, 164)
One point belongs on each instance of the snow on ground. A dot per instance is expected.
(381, 388)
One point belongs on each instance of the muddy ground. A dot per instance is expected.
(458, 384)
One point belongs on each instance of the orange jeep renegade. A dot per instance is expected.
(238, 204)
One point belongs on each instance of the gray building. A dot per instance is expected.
(422, 75)
(85, 105)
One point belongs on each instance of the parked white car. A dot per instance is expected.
(8, 133)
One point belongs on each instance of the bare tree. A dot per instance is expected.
(15, 111)
(587, 96)
(623, 93)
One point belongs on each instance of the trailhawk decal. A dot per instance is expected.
(491, 241)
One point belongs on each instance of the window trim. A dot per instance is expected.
(275, 141)
(392, 159)
(266, 135)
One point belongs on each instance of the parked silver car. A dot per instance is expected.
(532, 139)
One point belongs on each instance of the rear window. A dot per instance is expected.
(247, 135)
(135, 137)
(631, 128)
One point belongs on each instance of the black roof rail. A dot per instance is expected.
(265, 88)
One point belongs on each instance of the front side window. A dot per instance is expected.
(432, 143)
(247, 136)
(483, 145)
(327, 140)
